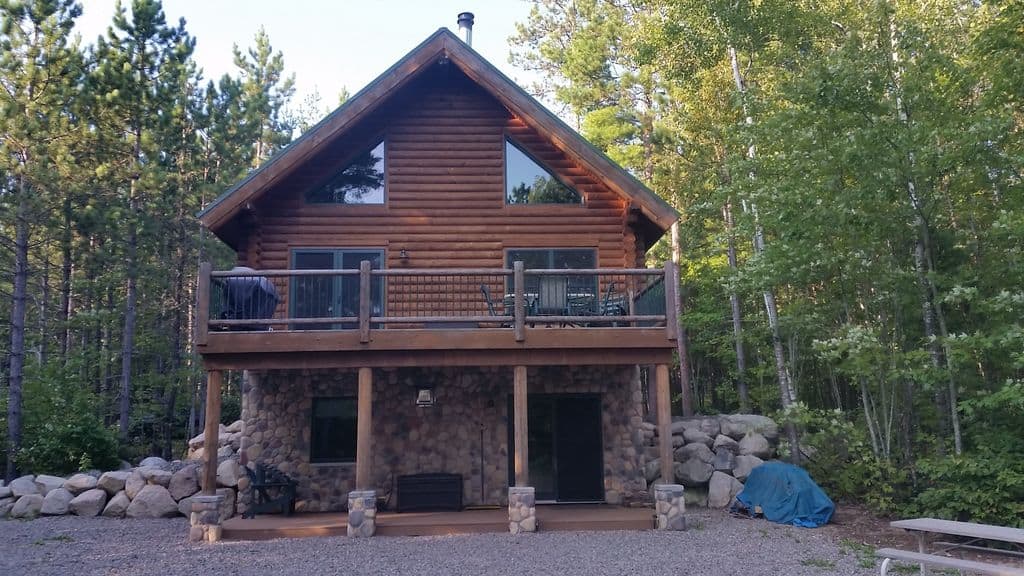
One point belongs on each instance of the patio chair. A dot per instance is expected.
(553, 297)
(490, 304)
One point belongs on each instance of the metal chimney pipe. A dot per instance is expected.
(466, 27)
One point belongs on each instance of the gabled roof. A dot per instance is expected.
(442, 43)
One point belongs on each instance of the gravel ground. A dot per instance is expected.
(719, 545)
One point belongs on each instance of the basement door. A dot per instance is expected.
(565, 452)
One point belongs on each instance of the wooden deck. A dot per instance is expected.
(551, 518)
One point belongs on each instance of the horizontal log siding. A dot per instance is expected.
(445, 195)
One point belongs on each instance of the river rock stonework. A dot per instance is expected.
(205, 519)
(362, 513)
(466, 432)
(522, 509)
(670, 506)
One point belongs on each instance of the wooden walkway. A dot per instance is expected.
(551, 518)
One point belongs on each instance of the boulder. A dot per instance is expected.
(235, 427)
(706, 424)
(722, 489)
(227, 473)
(155, 462)
(153, 501)
(158, 476)
(694, 436)
(184, 483)
(185, 507)
(5, 492)
(117, 506)
(693, 472)
(691, 451)
(724, 442)
(235, 441)
(197, 442)
(134, 484)
(44, 483)
(754, 444)
(89, 503)
(225, 452)
(80, 483)
(737, 425)
(652, 470)
(112, 482)
(23, 486)
(724, 461)
(744, 464)
(227, 505)
(28, 506)
(5, 506)
(57, 502)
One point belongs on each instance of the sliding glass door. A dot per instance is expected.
(332, 296)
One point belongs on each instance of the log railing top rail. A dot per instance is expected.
(367, 299)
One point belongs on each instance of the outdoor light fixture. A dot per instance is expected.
(424, 397)
(403, 254)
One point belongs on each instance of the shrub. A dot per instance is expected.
(986, 487)
(61, 430)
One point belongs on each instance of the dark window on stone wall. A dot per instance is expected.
(333, 430)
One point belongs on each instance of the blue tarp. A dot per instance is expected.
(787, 495)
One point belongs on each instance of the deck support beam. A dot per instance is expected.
(522, 454)
(214, 381)
(661, 382)
(364, 430)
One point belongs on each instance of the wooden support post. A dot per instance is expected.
(203, 304)
(214, 380)
(671, 286)
(364, 430)
(664, 423)
(519, 301)
(364, 301)
(522, 455)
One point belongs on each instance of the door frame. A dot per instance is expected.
(596, 396)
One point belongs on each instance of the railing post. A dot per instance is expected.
(203, 304)
(671, 285)
(519, 301)
(364, 301)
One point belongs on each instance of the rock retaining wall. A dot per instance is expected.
(155, 488)
(713, 455)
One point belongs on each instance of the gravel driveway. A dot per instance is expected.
(720, 545)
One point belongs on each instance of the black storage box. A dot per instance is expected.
(419, 492)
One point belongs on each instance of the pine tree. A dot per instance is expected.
(39, 71)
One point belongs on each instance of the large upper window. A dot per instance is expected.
(333, 430)
(360, 182)
(557, 258)
(332, 296)
(527, 182)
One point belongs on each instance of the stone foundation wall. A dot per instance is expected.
(465, 432)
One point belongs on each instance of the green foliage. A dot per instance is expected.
(986, 486)
(841, 461)
(62, 432)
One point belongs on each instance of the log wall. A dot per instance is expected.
(445, 195)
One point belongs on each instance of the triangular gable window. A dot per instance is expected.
(527, 182)
(361, 182)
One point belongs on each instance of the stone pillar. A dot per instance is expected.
(522, 509)
(362, 513)
(670, 507)
(205, 519)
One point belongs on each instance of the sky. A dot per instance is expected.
(328, 45)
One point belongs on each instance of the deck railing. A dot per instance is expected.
(367, 299)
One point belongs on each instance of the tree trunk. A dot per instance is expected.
(65, 281)
(786, 392)
(17, 353)
(737, 315)
(682, 342)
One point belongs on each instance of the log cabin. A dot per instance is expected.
(441, 299)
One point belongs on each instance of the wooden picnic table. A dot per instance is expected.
(921, 527)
